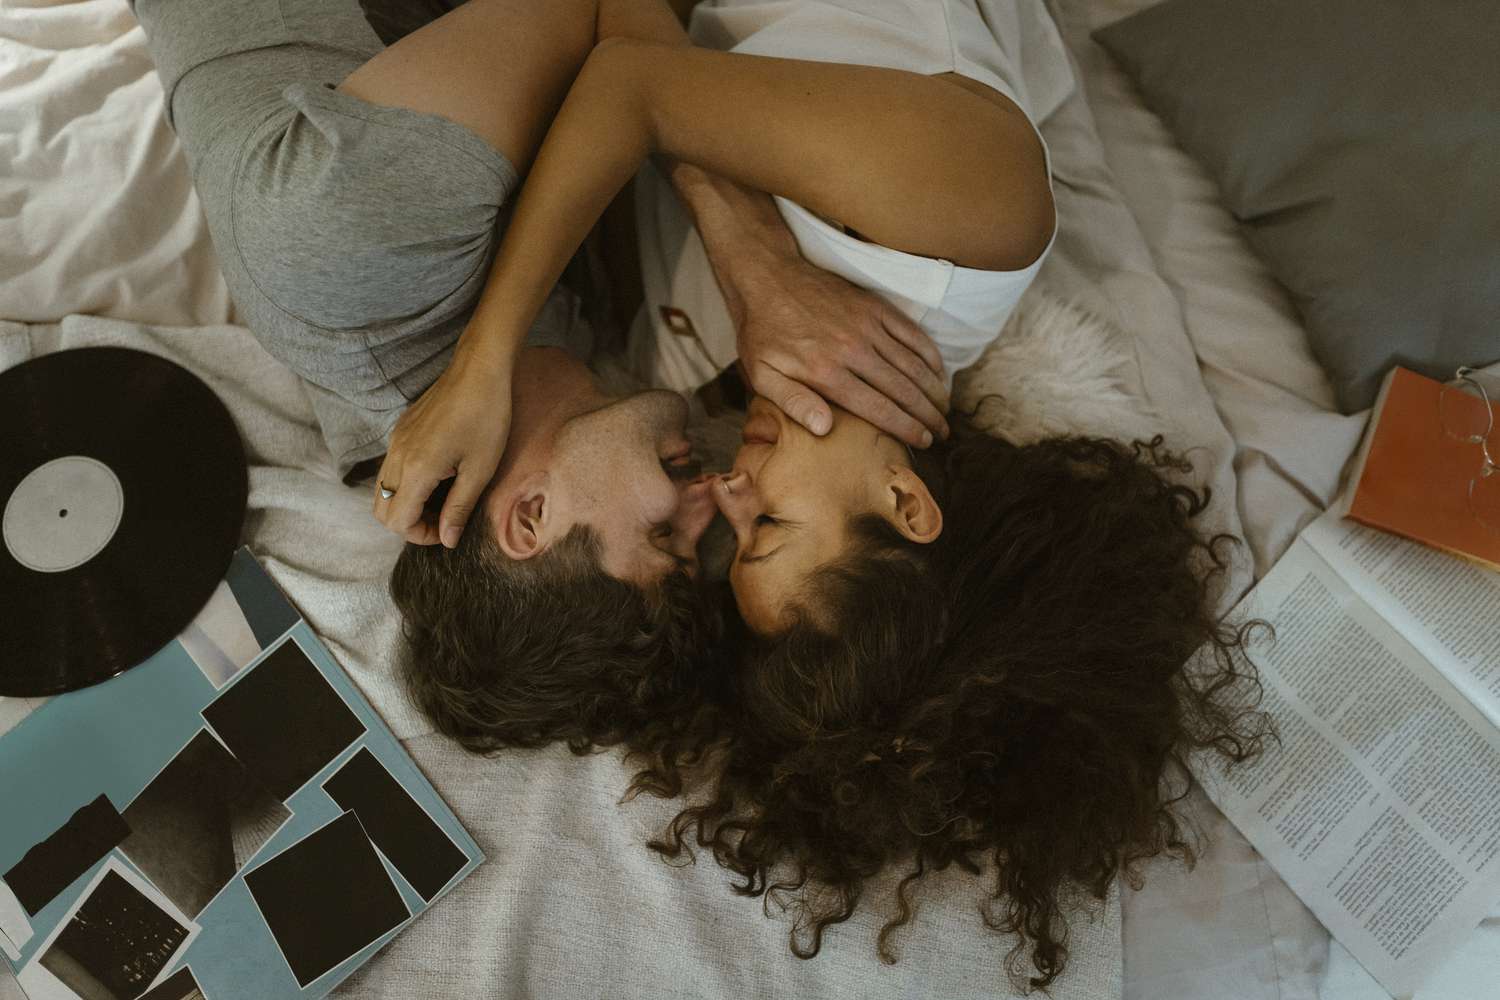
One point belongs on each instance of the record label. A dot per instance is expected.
(62, 514)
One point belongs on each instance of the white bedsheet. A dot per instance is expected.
(98, 217)
(97, 212)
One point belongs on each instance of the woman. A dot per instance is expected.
(977, 655)
(940, 185)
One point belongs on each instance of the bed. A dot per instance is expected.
(570, 903)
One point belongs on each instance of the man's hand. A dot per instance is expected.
(459, 426)
(807, 338)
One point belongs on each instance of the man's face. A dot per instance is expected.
(623, 470)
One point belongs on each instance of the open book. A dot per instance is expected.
(1381, 806)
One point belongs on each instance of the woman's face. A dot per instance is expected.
(790, 498)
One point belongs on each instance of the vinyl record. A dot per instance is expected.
(122, 495)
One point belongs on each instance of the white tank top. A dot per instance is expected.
(683, 336)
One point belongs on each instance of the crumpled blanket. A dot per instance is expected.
(97, 211)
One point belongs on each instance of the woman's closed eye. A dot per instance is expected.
(758, 550)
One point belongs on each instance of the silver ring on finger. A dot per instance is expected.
(386, 492)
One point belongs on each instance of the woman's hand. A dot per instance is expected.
(807, 338)
(459, 426)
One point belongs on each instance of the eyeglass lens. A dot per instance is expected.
(1468, 413)
(1484, 496)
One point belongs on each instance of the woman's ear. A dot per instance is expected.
(910, 507)
(523, 518)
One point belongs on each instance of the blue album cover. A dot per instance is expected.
(229, 819)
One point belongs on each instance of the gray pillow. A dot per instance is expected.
(1358, 141)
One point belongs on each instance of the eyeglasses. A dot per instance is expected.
(1468, 415)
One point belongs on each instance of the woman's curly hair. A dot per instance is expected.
(1018, 692)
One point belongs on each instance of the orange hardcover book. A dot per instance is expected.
(1412, 479)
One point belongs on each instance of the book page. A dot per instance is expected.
(1445, 606)
(1378, 806)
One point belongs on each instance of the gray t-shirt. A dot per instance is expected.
(355, 238)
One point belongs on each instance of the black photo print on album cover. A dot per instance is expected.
(197, 821)
(283, 721)
(409, 838)
(53, 864)
(326, 898)
(180, 985)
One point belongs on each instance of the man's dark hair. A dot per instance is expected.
(1016, 693)
(507, 653)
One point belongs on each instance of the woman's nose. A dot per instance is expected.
(739, 502)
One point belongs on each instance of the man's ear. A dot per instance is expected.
(522, 518)
(910, 507)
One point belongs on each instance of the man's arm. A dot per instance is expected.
(793, 321)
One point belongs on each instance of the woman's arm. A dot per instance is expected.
(909, 161)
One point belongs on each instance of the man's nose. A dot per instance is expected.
(695, 510)
(739, 502)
